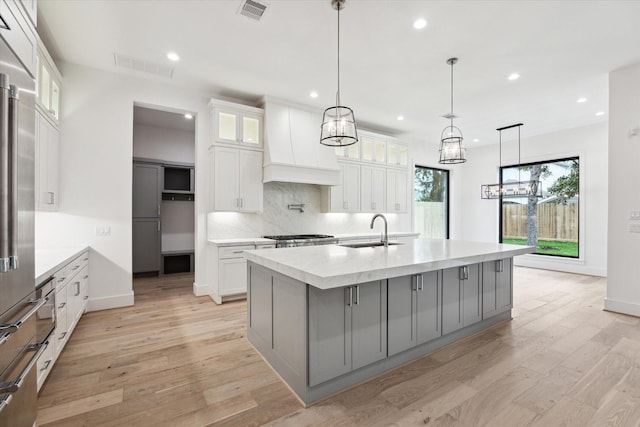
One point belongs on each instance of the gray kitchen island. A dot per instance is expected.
(328, 317)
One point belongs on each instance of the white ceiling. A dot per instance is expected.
(563, 50)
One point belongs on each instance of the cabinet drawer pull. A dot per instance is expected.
(75, 268)
(62, 335)
(46, 365)
(421, 277)
(61, 306)
(237, 252)
(499, 266)
(357, 295)
(86, 277)
(350, 300)
(85, 297)
(464, 273)
(77, 289)
(60, 280)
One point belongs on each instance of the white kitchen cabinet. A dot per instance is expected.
(229, 270)
(18, 30)
(236, 123)
(71, 282)
(374, 148)
(373, 181)
(48, 84)
(397, 154)
(397, 190)
(237, 180)
(47, 165)
(350, 152)
(346, 196)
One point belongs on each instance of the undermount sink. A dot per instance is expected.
(368, 244)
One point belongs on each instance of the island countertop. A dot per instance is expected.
(333, 266)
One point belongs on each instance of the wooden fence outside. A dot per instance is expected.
(555, 222)
(430, 219)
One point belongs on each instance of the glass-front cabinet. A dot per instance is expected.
(48, 80)
(350, 152)
(373, 149)
(237, 124)
(397, 154)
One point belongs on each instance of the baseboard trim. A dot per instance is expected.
(567, 266)
(622, 307)
(201, 290)
(105, 303)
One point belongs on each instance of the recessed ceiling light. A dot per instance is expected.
(581, 100)
(600, 113)
(313, 94)
(476, 140)
(400, 117)
(514, 76)
(419, 24)
(173, 56)
(188, 116)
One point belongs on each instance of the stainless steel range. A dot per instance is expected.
(294, 240)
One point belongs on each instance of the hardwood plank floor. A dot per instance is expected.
(174, 359)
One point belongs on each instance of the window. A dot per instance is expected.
(431, 204)
(550, 223)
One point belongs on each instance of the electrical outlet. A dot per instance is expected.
(634, 228)
(635, 215)
(103, 231)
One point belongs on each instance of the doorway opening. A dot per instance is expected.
(431, 202)
(163, 217)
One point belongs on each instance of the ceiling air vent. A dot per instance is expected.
(143, 66)
(253, 9)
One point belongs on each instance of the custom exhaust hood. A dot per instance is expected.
(291, 151)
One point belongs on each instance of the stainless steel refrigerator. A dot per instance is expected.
(19, 349)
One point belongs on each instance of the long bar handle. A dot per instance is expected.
(13, 386)
(4, 173)
(350, 300)
(7, 329)
(14, 104)
(357, 295)
(5, 401)
(499, 266)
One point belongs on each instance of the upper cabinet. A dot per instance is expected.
(374, 149)
(48, 85)
(237, 180)
(236, 124)
(47, 167)
(397, 154)
(17, 28)
(350, 152)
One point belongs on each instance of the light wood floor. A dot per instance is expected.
(178, 360)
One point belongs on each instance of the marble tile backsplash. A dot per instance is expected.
(276, 218)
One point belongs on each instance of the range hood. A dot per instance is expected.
(292, 151)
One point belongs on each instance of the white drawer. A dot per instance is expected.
(268, 246)
(234, 251)
(45, 362)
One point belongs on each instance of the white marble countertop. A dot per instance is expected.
(332, 266)
(374, 235)
(49, 260)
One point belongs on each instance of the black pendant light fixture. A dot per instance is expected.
(338, 123)
(511, 189)
(451, 149)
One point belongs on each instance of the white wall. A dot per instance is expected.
(475, 219)
(96, 173)
(171, 145)
(623, 283)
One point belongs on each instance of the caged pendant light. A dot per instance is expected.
(338, 127)
(511, 189)
(451, 149)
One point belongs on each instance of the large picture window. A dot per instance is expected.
(431, 204)
(550, 223)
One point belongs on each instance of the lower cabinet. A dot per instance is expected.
(347, 329)
(461, 297)
(72, 292)
(146, 245)
(497, 287)
(414, 310)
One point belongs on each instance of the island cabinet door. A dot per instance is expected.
(402, 299)
(496, 287)
(472, 295)
(429, 292)
(329, 333)
(369, 323)
(452, 299)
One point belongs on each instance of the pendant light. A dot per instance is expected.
(451, 149)
(338, 123)
(511, 189)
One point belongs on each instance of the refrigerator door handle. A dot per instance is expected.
(4, 173)
(14, 105)
(13, 386)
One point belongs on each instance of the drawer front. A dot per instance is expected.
(269, 246)
(60, 278)
(45, 362)
(234, 251)
(75, 266)
(60, 334)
